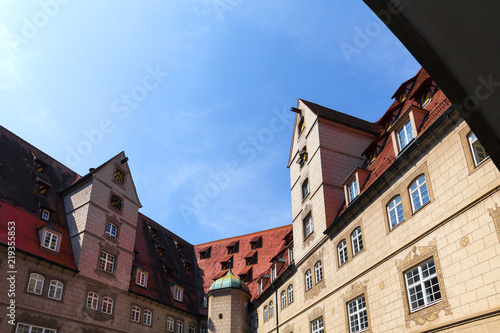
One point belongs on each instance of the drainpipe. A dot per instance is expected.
(277, 307)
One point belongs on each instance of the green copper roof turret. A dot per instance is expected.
(229, 281)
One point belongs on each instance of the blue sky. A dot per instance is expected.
(197, 93)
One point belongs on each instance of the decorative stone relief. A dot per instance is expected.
(355, 290)
(464, 241)
(417, 255)
(309, 264)
(495, 215)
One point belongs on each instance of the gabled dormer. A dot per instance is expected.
(403, 92)
(406, 127)
(50, 239)
(353, 184)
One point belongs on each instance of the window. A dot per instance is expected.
(290, 294)
(178, 293)
(318, 272)
(422, 285)
(426, 98)
(290, 255)
(192, 329)
(308, 280)
(305, 188)
(107, 262)
(107, 305)
(301, 126)
(418, 193)
(45, 214)
(170, 324)
(342, 252)
(302, 157)
(50, 241)
(111, 230)
(119, 176)
(25, 328)
(478, 152)
(283, 299)
(148, 316)
(136, 314)
(55, 290)
(308, 225)
(405, 135)
(205, 302)
(273, 272)
(265, 313)
(352, 190)
(203, 330)
(317, 325)
(92, 301)
(271, 309)
(35, 284)
(357, 241)
(116, 202)
(358, 317)
(42, 187)
(395, 212)
(39, 166)
(259, 286)
(141, 278)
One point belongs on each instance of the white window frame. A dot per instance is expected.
(395, 212)
(271, 309)
(290, 293)
(405, 135)
(308, 279)
(426, 273)
(291, 255)
(178, 293)
(107, 262)
(56, 288)
(45, 214)
(352, 190)
(192, 329)
(111, 230)
(308, 225)
(35, 284)
(283, 299)
(50, 240)
(92, 301)
(358, 314)
(357, 241)
(170, 324)
(317, 325)
(342, 252)
(318, 272)
(265, 313)
(417, 189)
(135, 314)
(180, 326)
(107, 305)
(305, 188)
(27, 328)
(475, 146)
(273, 272)
(148, 317)
(141, 278)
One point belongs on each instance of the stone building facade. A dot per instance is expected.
(395, 228)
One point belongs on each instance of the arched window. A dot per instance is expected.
(180, 326)
(111, 230)
(136, 314)
(283, 299)
(35, 285)
(419, 193)
(170, 324)
(395, 212)
(318, 272)
(308, 278)
(55, 290)
(342, 252)
(478, 152)
(357, 241)
(265, 313)
(271, 309)
(305, 188)
(92, 301)
(290, 294)
(107, 305)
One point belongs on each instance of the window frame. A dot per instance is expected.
(51, 244)
(107, 305)
(57, 288)
(356, 314)
(265, 313)
(106, 263)
(147, 317)
(283, 299)
(135, 314)
(318, 272)
(170, 324)
(407, 130)
(290, 293)
(473, 151)
(38, 279)
(419, 186)
(92, 296)
(178, 293)
(45, 214)
(352, 190)
(109, 232)
(308, 279)
(308, 225)
(342, 249)
(30, 328)
(421, 283)
(271, 309)
(357, 241)
(398, 207)
(317, 325)
(192, 329)
(305, 188)
(141, 278)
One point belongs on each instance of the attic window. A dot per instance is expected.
(39, 166)
(402, 97)
(50, 240)
(249, 261)
(232, 248)
(141, 278)
(256, 242)
(116, 202)
(388, 125)
(42, 187)
(225, 265)
(119, 176)
(205, 254)
(159, 250)
(302, 156)
(301, 124)
(372, 157)
(45, 214)
(153, 231)
(178, 293)
(426, 98)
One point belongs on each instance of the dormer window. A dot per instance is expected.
(259, 286)
(302, 159)
(205, 253)
(372, 157)
(42, 187)
(256, 242)
(119, 176)
(405, 135)
(273, 273)
(141, 278)
(50, 240)
(45, 214)
(352, 190)
(178, 293)
(226, 265)
(116, 202)
(153, 231)
(160, 251)
(39, 166)
(232, 248)
(426, 98)
(405, 128)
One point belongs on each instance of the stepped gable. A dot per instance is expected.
(21, 200)
(271, 244)
(166, 270)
